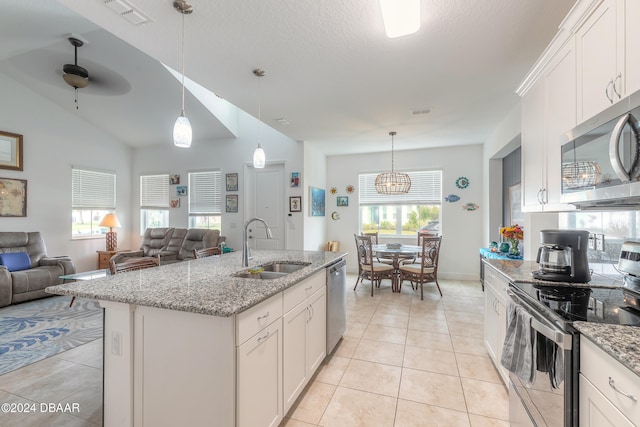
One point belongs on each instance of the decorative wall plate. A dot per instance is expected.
(470, 207)
(333, 190)
(350, 189)
(462, 182)
(451, 198)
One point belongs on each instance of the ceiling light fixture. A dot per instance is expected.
(400, 17)
(259, 158)
(75, 75)
(392, 182)
(182, 128)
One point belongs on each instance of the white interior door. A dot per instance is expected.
(265, 199)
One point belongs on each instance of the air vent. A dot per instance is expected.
(420, 111)
(127, 11)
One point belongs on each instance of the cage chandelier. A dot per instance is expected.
(393, 182)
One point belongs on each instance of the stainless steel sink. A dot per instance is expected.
(264, 275)
(284, 267)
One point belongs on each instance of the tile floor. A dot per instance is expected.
(403, 362)
(407, 362)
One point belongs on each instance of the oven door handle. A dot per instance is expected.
(562, 339)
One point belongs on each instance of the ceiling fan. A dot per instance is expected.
(75, 75)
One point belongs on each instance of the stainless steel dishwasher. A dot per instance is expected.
(336, 303)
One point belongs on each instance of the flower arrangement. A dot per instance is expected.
(513, 234)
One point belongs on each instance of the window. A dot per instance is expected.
(154, 201)
(93, 195)
(205, 199)
(403, 214)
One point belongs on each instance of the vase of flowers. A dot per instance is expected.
(513, 234)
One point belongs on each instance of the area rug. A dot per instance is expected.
(35, 330)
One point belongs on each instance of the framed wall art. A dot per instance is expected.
(181, 190)
(232, 181)
(174, 179)
(317, 205)
(11, 151)
(295, 204)
(342, 201)
(174, 203)
(295, 179)
(232, 203)
(13, 201)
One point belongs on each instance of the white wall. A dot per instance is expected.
(54, 140)
(229, 156)
(461, 230)
(315, 175)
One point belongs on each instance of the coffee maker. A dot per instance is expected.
(563, 256)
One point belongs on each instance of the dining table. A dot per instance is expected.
(396, 253)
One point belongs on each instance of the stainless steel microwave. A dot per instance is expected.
(601, 159)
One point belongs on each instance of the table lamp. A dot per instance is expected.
(111, 220)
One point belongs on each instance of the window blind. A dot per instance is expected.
(154, 191)
(205, 193)
(426, 189)
(93, 189)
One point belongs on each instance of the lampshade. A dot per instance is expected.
(110, 220)
(581, 174)
(392, 182)
(259, 157)
(182, 132)
(182, 128)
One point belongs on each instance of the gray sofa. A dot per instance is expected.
(27, 282)
(172, 244)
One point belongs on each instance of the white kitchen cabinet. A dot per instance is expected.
(304, 327)
(548, 111)
(495, 317)
(600, 54)
(632, 38)
(608, 390)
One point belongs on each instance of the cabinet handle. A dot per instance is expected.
(260, 339)
(308, 289)
(613, 386)
(615, 89)
(263, 317)
(538, 196)
(606, 91)
(543, 193)
(309, 314)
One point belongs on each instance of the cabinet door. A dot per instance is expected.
(632, 38)
(533, 150)
(501, 325)
(317, 330)
(259, 378)
(597, 55)
(596, 410)
(491, 323)
(295, 352)
(560, 113)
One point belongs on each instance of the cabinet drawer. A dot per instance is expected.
(251, 321)
(497, 282)
(597, 366)
(303, 290)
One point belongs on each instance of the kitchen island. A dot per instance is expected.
(193, 344)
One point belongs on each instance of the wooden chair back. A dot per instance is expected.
(133, 264)
(205, 252)
(372, 234)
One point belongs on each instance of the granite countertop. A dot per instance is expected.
(621, 342)
(520, 271)
(205, 286)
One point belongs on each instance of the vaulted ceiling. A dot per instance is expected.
(331, 71)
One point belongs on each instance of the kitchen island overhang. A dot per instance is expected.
(172, 350)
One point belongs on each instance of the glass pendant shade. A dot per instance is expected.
(259, 158)
(182, 132)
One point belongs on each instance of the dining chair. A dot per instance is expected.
(134, 264)
(368, 268)
(205, 252)
(374, 241)
(425, 268)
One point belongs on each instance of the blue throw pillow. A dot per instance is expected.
(15, 261)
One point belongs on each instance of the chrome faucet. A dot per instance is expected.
(246, 253)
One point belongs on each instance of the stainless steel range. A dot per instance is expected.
(549, 396)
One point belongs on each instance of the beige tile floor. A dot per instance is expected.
(403, 362)
(71, 377)
(407, 362)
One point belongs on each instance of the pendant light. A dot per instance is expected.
(182, 128)
(259, 158)
(393, 182)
